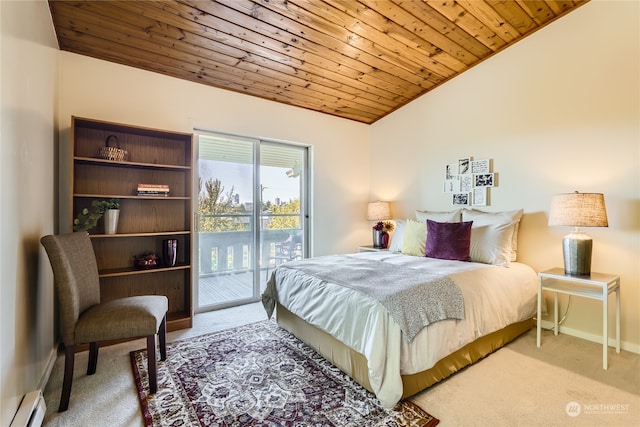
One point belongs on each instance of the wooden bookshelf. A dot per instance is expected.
(153, 157)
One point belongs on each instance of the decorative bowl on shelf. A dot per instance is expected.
(145, 261)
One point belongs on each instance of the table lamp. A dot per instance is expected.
(578, 210)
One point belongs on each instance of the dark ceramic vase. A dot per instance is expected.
(169, 252)
(384, 240)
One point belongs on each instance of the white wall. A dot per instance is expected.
(27, 190)
(557, 112)
(106, 91)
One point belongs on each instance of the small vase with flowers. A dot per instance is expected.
(381, 234)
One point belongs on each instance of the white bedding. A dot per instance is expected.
(494, 297)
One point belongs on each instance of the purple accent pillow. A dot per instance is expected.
(448, 240)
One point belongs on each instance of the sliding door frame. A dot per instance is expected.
(256, 215)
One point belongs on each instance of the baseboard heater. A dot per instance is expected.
(31, 411)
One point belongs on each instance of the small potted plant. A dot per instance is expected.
(111, 210)
(87, 219)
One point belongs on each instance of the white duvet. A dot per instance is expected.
(494, 297)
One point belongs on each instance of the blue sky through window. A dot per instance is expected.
(239, 176)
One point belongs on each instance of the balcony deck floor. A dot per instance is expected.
(224, 288)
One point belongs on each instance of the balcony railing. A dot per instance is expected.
(224, 252)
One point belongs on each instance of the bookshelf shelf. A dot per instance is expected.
(154, 157)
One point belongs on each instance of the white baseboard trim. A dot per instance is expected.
(624, 345)
(44, 379)
(32, 407)
(31, 410)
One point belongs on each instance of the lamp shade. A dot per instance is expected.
(377, 211)
(578, 210)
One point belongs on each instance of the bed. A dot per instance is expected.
(383, 347)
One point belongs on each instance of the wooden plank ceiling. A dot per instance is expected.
(357, 59)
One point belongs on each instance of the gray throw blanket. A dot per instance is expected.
(414, 298)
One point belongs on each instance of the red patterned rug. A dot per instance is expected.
(259, 375)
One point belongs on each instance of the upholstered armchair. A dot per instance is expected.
(84, 319)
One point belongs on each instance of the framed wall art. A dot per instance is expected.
(468, 181)
(451, 185)
(464, 165)
(480, 196)
(451, 171)
(461, 199)
(483, 180)
(480, 166)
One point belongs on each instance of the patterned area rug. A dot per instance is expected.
(259, 375)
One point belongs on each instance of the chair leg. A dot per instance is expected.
(162, 337)
(152, 364)
(93, 358)
(69, 359)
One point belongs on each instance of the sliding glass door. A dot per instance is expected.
(251, 215)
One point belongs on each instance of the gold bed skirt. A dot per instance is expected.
(354, 364)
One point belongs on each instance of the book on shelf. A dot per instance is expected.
(153, 187)
(161, 190)
(152, 194)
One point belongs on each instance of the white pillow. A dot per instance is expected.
(491, 244)
(452, 216)
(415, 238)
(480, 218)
(397, 237)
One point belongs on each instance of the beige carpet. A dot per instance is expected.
(519, 385)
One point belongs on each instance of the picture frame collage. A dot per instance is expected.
(468, 181)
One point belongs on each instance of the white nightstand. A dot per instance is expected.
(370, 248)
(595, 286)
